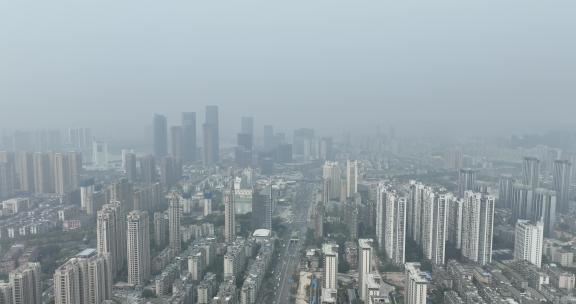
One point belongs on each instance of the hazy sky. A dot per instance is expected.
(332, 65)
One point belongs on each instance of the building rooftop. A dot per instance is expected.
(86, 253)
(262, 233)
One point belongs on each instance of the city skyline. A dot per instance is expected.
(301, 152)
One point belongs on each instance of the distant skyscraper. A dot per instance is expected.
(505, 191)
(381, 193)
(544, 209)
(301, 141)
(25, 171)
(160, 129)
(330, 253)
(161, 228)
(531, 171)
(562, 183)
(529, 241)
(174, 216)
(416, 285)
(100, 154)
(84, 279)
(75, 169)
(318, 218)
(326, 148)
(122, 191)
(211, 136)
(351, 177)
(229, 216)
(170, 171)
(208, 148)
(364, 266)
(189, 136)
(332, 181)
(247, 126)
(149, 174)
(466, 181)
(7, 174)
(477, 227)
(26, 284)
(43, 173)
(522, 199)
(262, 207)
(138, 248)
(176, 142)
(79, 139)
(61, 173)
(243, 152)
(130, 167)
(268, 137)
(86, 192)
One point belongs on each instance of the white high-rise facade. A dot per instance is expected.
(529, 241)
(138, 248)
(331, 174)
(414, 210)
(330, 253)
(364, 265)
(416, 284)
(26, 284)
(111, 236)
(83, 279)
(394, 226)
(380, 212)
(477, 227)
(454, 234)
(229, 216)
(174, 216)
(434, 226)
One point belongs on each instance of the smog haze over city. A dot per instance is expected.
(296, 152)
(336, 65)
